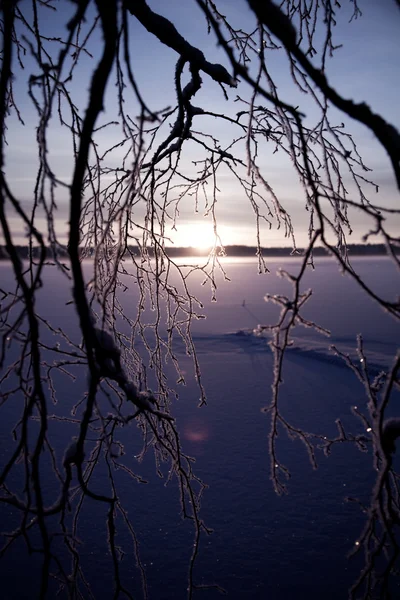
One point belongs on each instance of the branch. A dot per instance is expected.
(168, 35)
(277, 22)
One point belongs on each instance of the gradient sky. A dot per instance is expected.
(365, 69)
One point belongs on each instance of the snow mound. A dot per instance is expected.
(379, 355)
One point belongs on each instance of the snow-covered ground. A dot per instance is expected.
(262, 545)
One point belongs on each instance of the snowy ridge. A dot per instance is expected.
(379, 355)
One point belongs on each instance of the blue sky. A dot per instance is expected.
(365, 69)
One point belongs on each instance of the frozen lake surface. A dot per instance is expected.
(263, 546)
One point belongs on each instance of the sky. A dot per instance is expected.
(365, 68)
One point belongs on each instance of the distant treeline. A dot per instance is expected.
(232, 251)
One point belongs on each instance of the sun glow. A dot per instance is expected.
(196, 235)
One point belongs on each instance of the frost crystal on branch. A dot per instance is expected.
(136, 164)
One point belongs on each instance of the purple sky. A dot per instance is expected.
(365, 69)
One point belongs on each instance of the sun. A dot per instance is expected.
(202, 236)
(195, 235)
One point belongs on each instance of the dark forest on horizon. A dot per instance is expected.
(229, 251)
